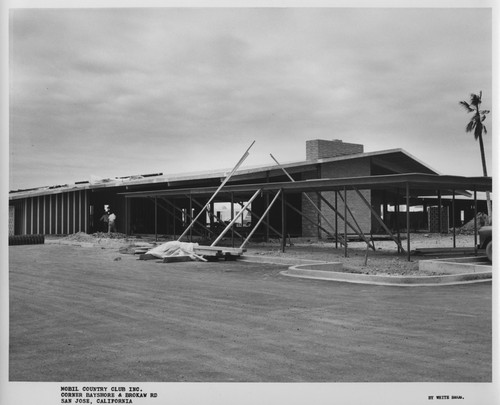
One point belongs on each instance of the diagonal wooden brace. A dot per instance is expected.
(381, 222)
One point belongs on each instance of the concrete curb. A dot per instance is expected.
(306, 271)
(457, 265)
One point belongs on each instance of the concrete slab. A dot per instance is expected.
(463, 265)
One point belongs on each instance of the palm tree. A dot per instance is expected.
(476, 125)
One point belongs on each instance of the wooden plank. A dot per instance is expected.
(424, 251)
(220, 249)
(148, 257)
(176, 259)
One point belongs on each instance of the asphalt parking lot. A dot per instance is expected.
(90, 314)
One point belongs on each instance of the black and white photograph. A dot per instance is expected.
(256, 202)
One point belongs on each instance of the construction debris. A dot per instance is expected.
(173, 248)
(175, 251)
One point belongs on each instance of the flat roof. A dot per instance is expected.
(419, 183)
(392, 159)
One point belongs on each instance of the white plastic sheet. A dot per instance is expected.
(174, 248)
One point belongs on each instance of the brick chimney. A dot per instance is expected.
(321, 149)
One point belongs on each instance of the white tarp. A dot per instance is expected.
(174, 248)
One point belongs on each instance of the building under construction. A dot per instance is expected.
(339, 191)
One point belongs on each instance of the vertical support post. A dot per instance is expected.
(126, 217)
(167, 220)
(232, 218)
(453, 220)
(267, 218)
(50, 214)
(211, 215)
(87, 207)
(396, 210)
(156, 220)
(440, 229)
(79, 211)
(283, 221)
(31, 217)
(74, 211)
(56, 213)
(318, 215)
(345, 221)
(267, 205)
(384, 209)
(67, 214)
(408, 221)
(475, 222)
(173, 218)
(336, 221)
(192, 218)
(44, 209)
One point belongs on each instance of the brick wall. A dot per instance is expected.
(321, 149)
(362, 214)
(434, 220)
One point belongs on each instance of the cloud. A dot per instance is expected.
(136, 84)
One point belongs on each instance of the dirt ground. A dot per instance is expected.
(383, 261)
(94, 314)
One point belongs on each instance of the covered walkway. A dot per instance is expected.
(400, 189)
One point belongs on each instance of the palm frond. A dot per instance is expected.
(475, 100)
(466, 105)
(484, 112)
(484, 128)
(470, 126)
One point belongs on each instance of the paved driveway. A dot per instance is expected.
(88, 314)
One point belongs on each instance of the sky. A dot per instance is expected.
(119, 92)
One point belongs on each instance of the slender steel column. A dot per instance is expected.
(156, 220)
(127, 217)
(267, 205)
(440, 228)
(44, 208)
(408, 221)
(453, 220)
(283, 220)
(232, 217)
(396, 210)
(345, 221)
(192, 219)
(336, 221)
(173, 219)
(475, 222)
(50, 214)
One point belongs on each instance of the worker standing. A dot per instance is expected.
(111, 221)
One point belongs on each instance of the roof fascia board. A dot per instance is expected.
(417, 181)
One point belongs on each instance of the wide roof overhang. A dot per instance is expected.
(419, 184)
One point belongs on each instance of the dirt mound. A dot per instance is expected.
(468, 228)
(112, 235)
(85, 237)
